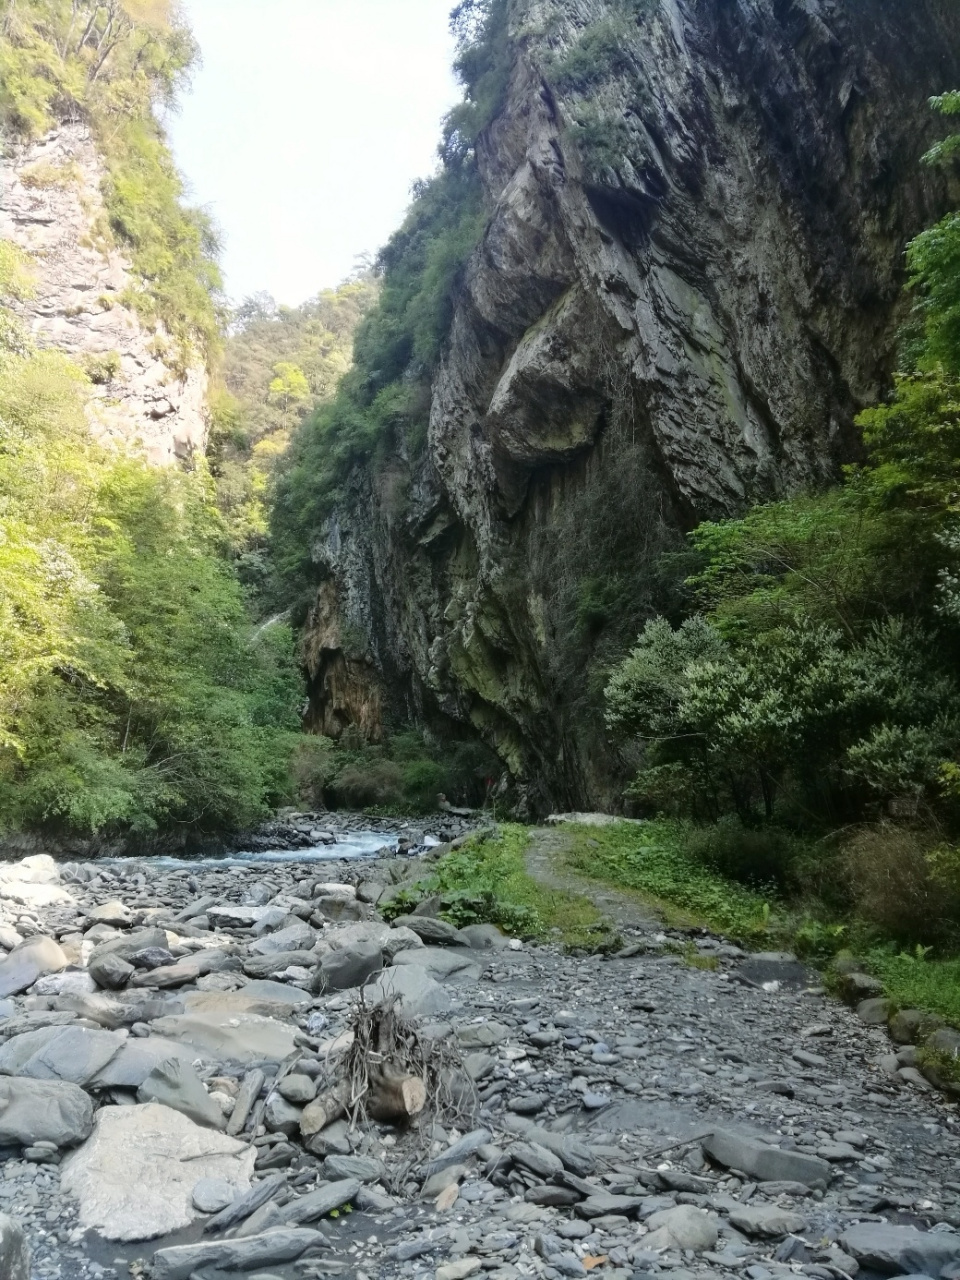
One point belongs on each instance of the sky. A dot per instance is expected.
(305, 127)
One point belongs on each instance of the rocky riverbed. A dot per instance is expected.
(679, 1108)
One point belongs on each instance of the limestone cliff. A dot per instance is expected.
(51, 206)
(689, 282)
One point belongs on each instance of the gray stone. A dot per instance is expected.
(573, 1152)
(765, 1163)
(14, 1250)
(228, 1037)
(75, 1054)
(484, 937)
(430, 930)
(464, 1147)
(229, 916)
(363, 1168)
(874, 1012)
(29, 961)
(213, 1195)
(110, 971)
(767, 1220)
(174, 1083)
(398, 941)
(297, 1089)
(418, 993)
(134, 1178)
(242, 1254)
(684, 1227)
(296, 937)
(441, 962)
(349, 967)
(536, 1158)
(281, 1116)
(136, 1059)
(317, 1204)
(604, 1202)
(901, 1250)
(34, 1111)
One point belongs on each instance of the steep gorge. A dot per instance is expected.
(689, 280)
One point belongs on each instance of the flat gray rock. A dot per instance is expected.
(29, 961)
(137, 1058)
(326, 1198)
(767, 1220)
(765, 1163)
(419, 994)
(75, 1054)
(296, 937)
(901, 1250)
(243, 1254)
(43, 1111)
(174, 1083)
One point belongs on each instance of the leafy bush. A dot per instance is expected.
(753, 855)
(895, 887)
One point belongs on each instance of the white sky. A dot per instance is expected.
(305, 127)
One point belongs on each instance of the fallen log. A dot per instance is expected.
(395, 1096)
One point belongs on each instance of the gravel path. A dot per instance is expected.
(638, 1115)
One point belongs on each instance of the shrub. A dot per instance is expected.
(758, 855)
(894, 887)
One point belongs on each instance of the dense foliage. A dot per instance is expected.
(134, 694)
(279, 365)
(383, 403)
(109, 64)
(818, 686)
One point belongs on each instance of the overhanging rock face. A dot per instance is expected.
(689, 283)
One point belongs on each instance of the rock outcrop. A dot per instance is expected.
(689, 283)
(51, 206)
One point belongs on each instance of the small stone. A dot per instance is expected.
(213, 1195)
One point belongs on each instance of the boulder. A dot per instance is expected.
(765, 1163)
(29, 961)
(40, 868)
(110, 971)
(228, 916)
(296, 937)
(418, 993)
(75, 1054)
(682, 1228)
(348, 967)
(874, 1012)
(398, 941)
(245, 1253)
(429, 929)
(43, 1111)
(267, 966)
(229, 1037)
(484, 937)
(14, 1250)
(72, 982)
(134, 1178)
(281, 1116)
(140, 1056)
(174, 1083)
(113, 1011)
(337, 909)
(767, 1220)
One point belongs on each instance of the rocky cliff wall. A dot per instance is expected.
(51, 206)
(690, 281)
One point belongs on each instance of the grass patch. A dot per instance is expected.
(486, 881)
(652, 859)
(917, 982)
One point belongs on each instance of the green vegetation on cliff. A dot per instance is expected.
(280, 364)
(383, 403)
(134, 693)
(109, 64)
(816, 689)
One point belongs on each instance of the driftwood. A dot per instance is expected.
(395, 1096)
(324, 1109)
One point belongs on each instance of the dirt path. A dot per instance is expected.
(546, 863)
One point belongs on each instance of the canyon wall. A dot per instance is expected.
(690, 281)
